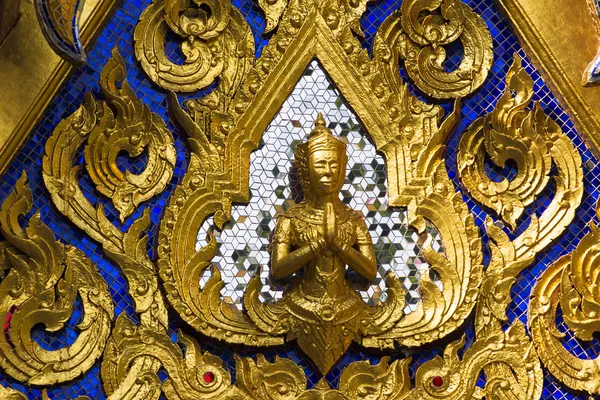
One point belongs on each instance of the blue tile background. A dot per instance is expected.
(119, 31)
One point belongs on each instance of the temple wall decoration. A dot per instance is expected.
(300, 199)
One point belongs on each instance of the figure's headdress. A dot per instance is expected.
(320, 138)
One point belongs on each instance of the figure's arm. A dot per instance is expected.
(283, 262)
(360, 257)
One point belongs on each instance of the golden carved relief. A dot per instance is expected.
(510, 257)
(422, 41)
(126, 249)
(511, 132)
(323, 236)
(45, 278)
(570, 283)
(320, 236)
(12, 394)
(126, 124)
(213, 42)
(414, 155)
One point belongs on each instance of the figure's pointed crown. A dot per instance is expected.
(321, 138)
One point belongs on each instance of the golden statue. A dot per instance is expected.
(321, 236)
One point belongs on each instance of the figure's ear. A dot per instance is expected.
(342, 171)
(344, 165)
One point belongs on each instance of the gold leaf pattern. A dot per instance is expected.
(126, 124)
(41, 288)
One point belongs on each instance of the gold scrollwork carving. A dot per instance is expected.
(126, 124)
(528, 136)
(44, 280)
(509, 258)
(61, 179)
(512, 349)
(510, 132)
(569, 283)
(273, 10)
(11, 394)
(126, 249)
(415, 160)
(224, 127)
(422, 42)
(196, 375)
(215, 37)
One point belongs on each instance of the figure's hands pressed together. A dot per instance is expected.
(333, 240)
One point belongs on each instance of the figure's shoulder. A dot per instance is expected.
(294, 212)
(350, 214)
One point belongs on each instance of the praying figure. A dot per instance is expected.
(321, 236)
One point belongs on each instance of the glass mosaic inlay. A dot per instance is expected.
(243, 245)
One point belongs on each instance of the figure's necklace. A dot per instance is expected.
(315, 216)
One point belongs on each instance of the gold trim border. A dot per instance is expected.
(31, 73)
(560, 38)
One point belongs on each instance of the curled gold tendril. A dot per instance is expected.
(569, 283)
(126, 249)
(41, 288)
(126, 124)
(215, 38)
(510, 132)
(224, 127)
(422, 40)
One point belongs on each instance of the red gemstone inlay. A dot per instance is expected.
(209, 377)
(437, 381)
(9, 315)
(8, 318)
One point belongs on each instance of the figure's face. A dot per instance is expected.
(326, 172)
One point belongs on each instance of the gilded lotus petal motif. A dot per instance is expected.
(478, 206)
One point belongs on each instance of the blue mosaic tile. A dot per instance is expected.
(118, 32)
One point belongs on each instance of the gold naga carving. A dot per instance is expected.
(320, 235)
